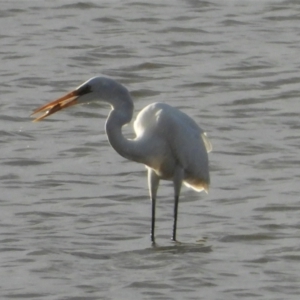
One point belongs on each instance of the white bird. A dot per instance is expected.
(170, 143)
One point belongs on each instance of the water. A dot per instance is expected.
(75, 217)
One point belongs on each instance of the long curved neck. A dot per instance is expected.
(118, 117)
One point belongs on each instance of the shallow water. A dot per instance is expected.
(75, 216)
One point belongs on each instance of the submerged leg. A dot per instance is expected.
(176, 200)
(177, 180)
(153, 182)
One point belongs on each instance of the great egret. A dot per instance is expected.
(170, 143)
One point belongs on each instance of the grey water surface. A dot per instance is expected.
(75, 216)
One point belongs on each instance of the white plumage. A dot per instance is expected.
(170, 143)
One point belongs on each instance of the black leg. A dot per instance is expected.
(152, 235)
(177, 180)
(153, 181)
(175, 217)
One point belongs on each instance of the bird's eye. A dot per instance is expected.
(85, 89)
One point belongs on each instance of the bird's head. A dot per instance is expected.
(95, 89)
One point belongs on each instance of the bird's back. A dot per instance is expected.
(179, 138)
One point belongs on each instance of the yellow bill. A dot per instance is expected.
(56, 105)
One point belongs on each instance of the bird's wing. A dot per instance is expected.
(207, 142)
(186, 139)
